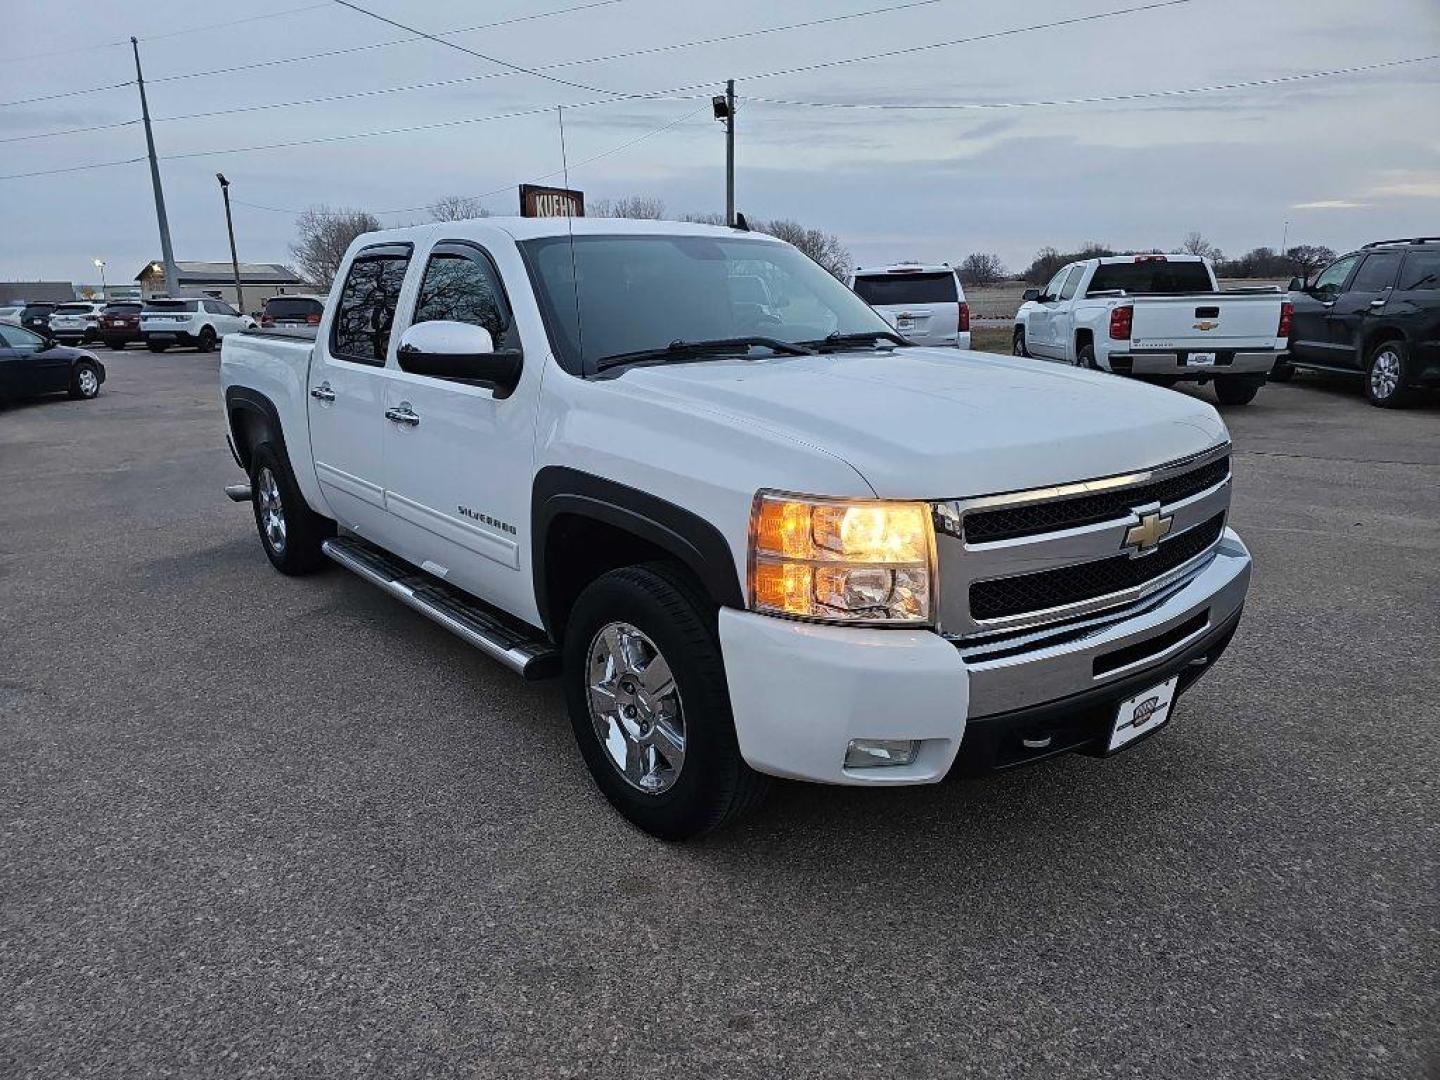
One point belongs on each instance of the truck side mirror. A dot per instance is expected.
(459, 352)
(1031, 294)
(1297, 284)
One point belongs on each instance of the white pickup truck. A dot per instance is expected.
(1160, 318)
(753, 539)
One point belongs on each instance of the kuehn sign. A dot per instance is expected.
(550, 202)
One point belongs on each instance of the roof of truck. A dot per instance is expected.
(523, 228)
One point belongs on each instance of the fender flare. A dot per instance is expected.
(243, 399)
(695, 542)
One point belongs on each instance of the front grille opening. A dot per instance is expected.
(1009, 522)
(1003, 597)
(1105, 663)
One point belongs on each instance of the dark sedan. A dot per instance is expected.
(31, 364)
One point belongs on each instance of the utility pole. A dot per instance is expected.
(230, 226)
(725, 110)
(1285, 239)
(167, 256)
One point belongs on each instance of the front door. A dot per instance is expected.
(347, 390)
(1362, 303)
(458, 460)
(1040, 335)
(30, 365)
(1310, 325)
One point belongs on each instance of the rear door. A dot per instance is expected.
(347, 390)
(1310, 325)
(922, 305)
(455, 460)
(1360, 305)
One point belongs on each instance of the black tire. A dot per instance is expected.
(1086, 358)
(1283, 371)
(118, 346)
(157, 346)
(295, 548)
(1389, 392)
(1234, 390)
(84, 380)
(713, 786)
(1017, 347)
(205, 342)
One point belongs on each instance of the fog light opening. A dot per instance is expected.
(878, 753)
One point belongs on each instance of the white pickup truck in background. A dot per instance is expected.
(752, 538)
(1161, 318)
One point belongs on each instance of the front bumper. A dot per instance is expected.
(1178, 365)
(800, 691)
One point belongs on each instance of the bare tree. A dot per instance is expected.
(456, 208)
(321, 237)
(1308, 258)
(1195, 244)
(709, 217)
(825, 248)
(648, 207)
(981, 269)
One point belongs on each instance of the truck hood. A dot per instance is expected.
(922, 423)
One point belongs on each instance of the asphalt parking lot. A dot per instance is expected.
(259, 826)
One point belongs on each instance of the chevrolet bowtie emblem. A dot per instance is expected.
(1145, 536)
(1206, 325)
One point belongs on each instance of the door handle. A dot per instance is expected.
(322, 392)
(403, 414)
(1328, 304)
(1380, 302)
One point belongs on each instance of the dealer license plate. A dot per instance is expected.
(1202, 359)
(1143, 713)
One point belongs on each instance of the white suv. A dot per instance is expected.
(198, 321)
(77, 323)
(924, 303)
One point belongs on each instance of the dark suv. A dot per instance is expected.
(1374, 312)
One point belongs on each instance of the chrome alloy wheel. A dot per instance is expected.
(88, 382)
(635, 708)
(272, 511)
(1385, 373)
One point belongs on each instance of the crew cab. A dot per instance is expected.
(751, 541)
(1374, 312)
(1160, 318)
(77, 323)
(198, 321)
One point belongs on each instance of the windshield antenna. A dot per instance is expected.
(570, 226)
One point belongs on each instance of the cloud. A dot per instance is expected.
(1420, 188)
(1329, 204)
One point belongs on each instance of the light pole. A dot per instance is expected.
(724, 107)
(104, 288)
(230, 227)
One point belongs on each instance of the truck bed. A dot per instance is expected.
(1224, 320)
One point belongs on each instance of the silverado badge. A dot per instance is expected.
(1206, 325)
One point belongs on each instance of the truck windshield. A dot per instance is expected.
(1151, 276)
(628, 294)
(905, 287)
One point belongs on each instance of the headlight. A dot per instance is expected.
(842, 561)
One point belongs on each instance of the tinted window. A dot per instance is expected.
(38, 309)
(170, 306)
(464, 288)
(643, 292)
(285, 307)
(1151, 276)
(122, 309)
(1377, 272)
(1072, 282)
(1334, 275)
(1422, 270)
(17, 338)
(74, 309)
(904, 288)
(366, 309)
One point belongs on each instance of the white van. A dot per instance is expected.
(924, 303)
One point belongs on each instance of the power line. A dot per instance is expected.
(478, 55)
(1104, 98)
(464, 79)
(67, 93)
(70, 131)
(73, 168)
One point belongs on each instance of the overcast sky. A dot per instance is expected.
(1343, 160)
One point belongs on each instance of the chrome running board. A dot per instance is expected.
(519, 648)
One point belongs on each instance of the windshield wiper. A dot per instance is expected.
(685, 350)
(837, 340)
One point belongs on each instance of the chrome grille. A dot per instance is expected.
(1026, 559)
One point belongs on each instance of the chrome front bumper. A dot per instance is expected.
(1027, 669)
(1174, 363)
